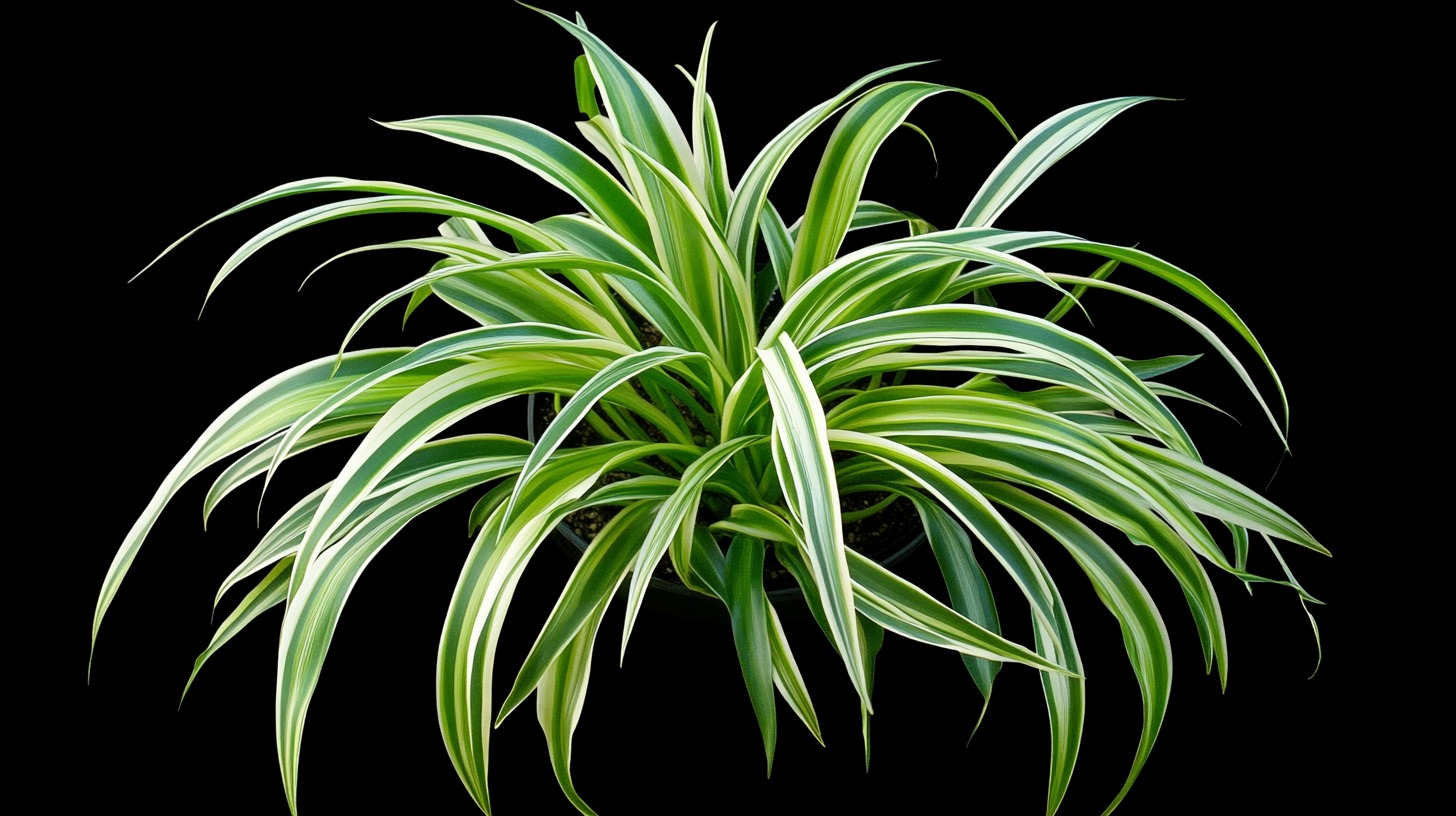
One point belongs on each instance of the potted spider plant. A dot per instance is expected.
(744, 369)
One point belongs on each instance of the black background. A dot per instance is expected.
(176, 125)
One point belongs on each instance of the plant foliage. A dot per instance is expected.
(740, 373)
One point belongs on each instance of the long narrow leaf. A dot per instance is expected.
(1143, 632)
(1064, 689)
(549, 157)
(669, 522)
(637, 108)
(1036, 152)
(413, 421)
(748, 611)
(750, 203)
(807, 476)
(842, 171)
(483, 595)
(260, 413)
(597, 574)
(268, 593)
(970, 592)
(317, 599)
(559, 700)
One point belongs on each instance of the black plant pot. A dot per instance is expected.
(666, 594)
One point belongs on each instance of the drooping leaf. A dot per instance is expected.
(602, 567)
(260, 413)
(1143, 632)
(549, 157)
(970, 592)
(807, 475)
(748, 610)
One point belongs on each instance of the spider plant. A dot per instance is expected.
(740, 373)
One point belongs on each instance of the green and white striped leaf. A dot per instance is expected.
(1113, 504)
(806, 473)
(1188, 283)
(454, 350)
(322, 184)
(269, 592)
(642, 285)
(549, 157)
(640, 113)
(748, 611)
(414, 420)
(970, 592)
(256, 461)
(259, 414)
(1208, 335)
(559, 700)
(1209, 492)
(612, 375)
(787, 678)
(708, 139)
(832, 295)
(668, 525)
(1064, 687)
(597, 574)
(281, 541)
(1036, 152)
(750, 202)
(423, 202)
(483, 595)
(493, 455)
(709, 564)
(843, 167)
(949, 417)
(716, 287)
(1143, 632)
(507, 291)
(317, 599)
(969, 324)
(905, 609)
(459, 287)
(869, 214)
